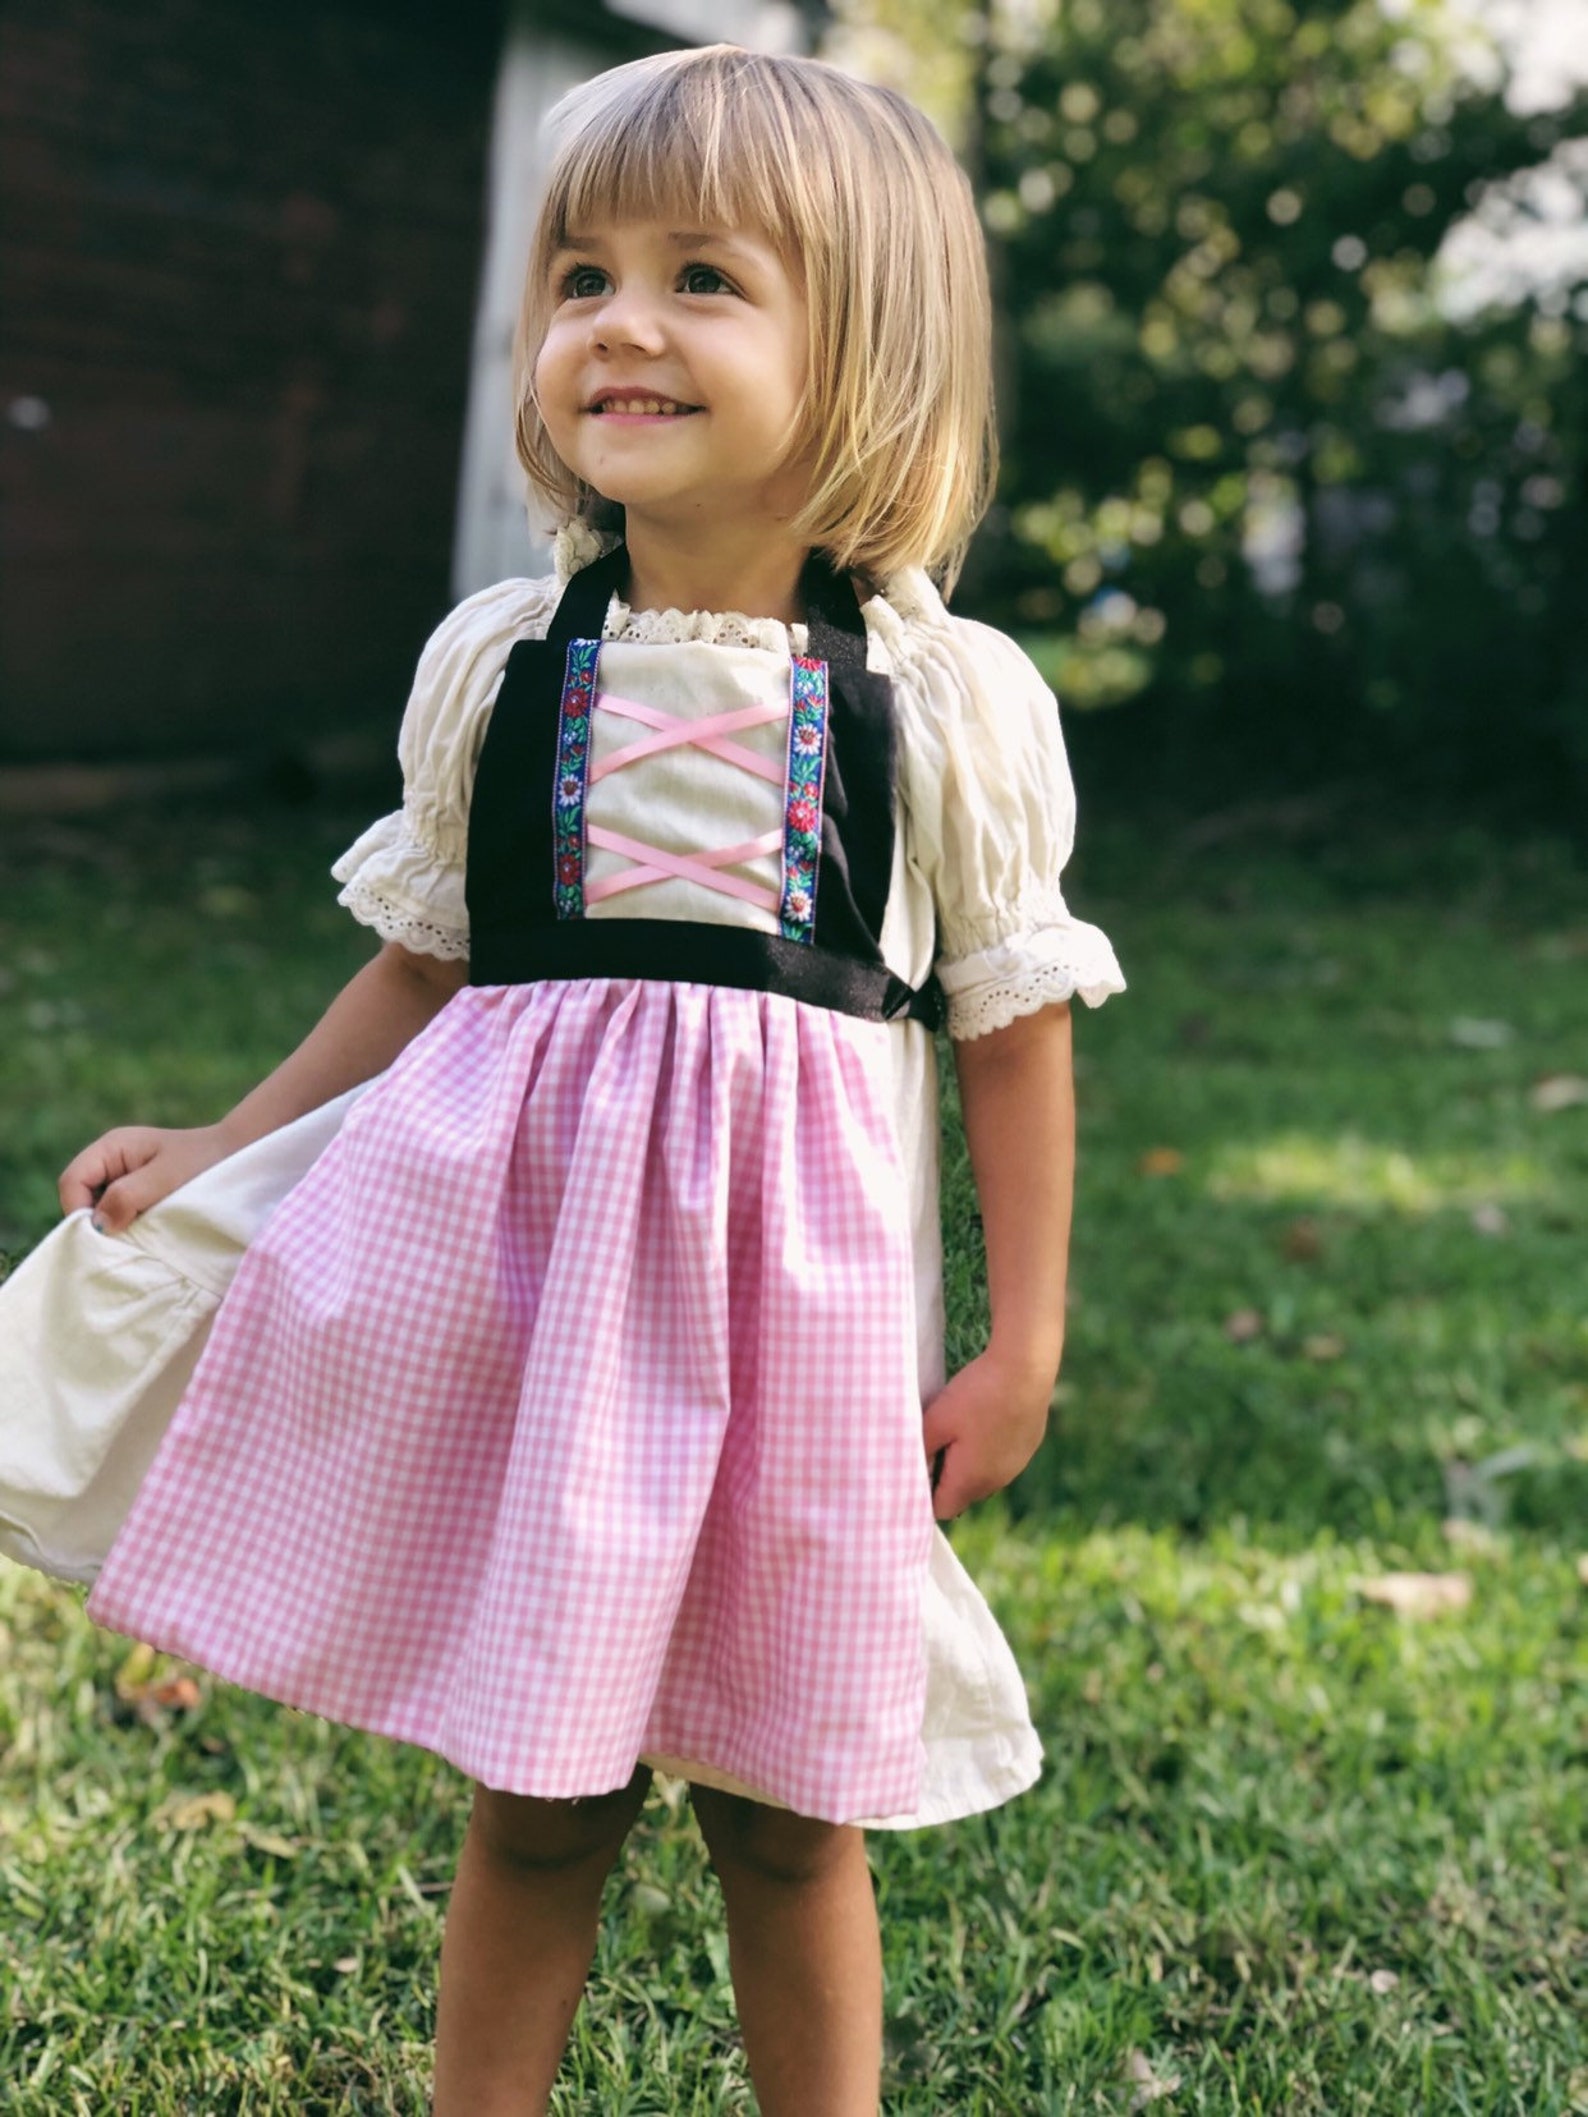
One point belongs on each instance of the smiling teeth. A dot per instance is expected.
(646, 405)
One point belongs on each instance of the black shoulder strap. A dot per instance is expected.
(836, 629)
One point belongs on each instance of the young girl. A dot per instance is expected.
(566, 1414)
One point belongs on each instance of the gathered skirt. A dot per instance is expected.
(567, 1413)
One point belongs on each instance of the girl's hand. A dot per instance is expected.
(988, 1422)
(377, 1012)
(126, 1171)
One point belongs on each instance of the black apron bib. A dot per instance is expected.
(518, 931)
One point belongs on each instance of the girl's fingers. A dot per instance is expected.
(75, 1189)
(83, 1179)
(121, 1202)
(958, 1487)
(939, 1424)
(86, 1179)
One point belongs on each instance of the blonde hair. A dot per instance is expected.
(868, 207)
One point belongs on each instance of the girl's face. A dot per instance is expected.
(672, 372)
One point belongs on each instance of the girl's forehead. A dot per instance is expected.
(686, 233)
(650, 179)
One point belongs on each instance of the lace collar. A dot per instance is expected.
(907, 595)
(719, 628)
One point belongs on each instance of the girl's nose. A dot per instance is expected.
(628, 318)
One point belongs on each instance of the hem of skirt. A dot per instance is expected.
(967, 1777)
(170, 1640)
(700, 1774)
(981, 1776)
(21, 1547)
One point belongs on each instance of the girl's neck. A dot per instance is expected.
(673, 573)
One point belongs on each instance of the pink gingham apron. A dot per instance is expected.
(567, 1412)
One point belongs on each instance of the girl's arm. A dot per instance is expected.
(372, 1018)
(1016, 1094)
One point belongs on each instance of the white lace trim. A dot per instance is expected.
(987, 1007)
(577, 546)
(718, 628)
(396, 922)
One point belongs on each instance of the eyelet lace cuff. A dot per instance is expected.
(394, 884)
(394, 922)
(994, 987)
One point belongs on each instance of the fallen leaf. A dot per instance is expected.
(1474, 1033)
(345, 1963)
(1323, 1345)
(1161, 1161)
(1382, 1981)
(1558, 1091)
(179, 1694)
(1301, 1242)
(193, 1811)
(1491, 1219)
(1476, 1537)
(1418, 1595)
(1149, 2086)
(1243, 1325)
(270, 1841)
(152, 1687)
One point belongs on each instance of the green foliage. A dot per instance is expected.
(1303, 1857)
(1217, 226)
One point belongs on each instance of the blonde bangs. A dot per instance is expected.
(872, 214)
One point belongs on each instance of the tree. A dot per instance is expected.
(1259, 479)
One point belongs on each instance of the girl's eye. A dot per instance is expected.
(704, 279)
(582, 282)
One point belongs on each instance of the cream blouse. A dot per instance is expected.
(987, 808)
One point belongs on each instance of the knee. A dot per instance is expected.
(772, 1844)
(533, 1836)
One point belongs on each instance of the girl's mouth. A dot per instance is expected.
(641, 407)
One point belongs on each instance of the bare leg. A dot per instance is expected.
(520, 1932)
(806, 1955)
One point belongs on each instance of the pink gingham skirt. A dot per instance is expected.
(566, 1413)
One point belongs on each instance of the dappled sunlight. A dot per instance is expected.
(1344, 1169)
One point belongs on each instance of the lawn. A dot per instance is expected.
(1295, 1851)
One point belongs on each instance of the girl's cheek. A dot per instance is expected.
(544, 379)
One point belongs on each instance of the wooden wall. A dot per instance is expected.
(239, 255)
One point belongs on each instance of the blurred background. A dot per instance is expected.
(1293, 391)
(1293, 294)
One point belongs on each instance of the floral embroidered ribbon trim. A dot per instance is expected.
(802, 808)
(573, 763)
(799, 835)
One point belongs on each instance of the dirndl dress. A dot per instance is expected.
(566, 1412)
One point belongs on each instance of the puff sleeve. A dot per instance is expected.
(989, 808)
(405, 875)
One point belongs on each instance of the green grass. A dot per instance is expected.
(1291, 1852)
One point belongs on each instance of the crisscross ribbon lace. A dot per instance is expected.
(800, 779)
(652, 862)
